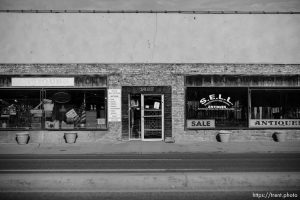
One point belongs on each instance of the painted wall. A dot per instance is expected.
(149, 38)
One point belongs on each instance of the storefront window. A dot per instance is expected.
(53, 109)
(275, 108)
(15, 107)
(216, 107)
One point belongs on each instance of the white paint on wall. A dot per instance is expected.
(149, 38)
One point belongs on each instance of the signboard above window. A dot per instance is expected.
(242, 80)
(42, 81)
(51, 81)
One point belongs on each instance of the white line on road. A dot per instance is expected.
(102, 170)
(110, 159)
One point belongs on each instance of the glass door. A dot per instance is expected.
(152, 116)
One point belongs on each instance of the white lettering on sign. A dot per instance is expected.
(200, 123)
(42, 81)
(274, 123)
(114, 105)
(146, 89)
(213, 98)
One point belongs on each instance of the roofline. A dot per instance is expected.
(150, 11)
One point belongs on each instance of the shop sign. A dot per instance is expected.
(200, 123)
(114, 105)
(224, 103)
(274, 123)
(42, 81)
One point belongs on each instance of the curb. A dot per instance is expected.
(144, 148)
(105, 182)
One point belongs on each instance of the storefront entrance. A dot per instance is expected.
(146, 113)
(146, 117)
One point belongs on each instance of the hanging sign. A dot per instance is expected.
(200, 123)
(274, 123)
(216, 102)
(114, 105)
(61, 97)
(42, 81)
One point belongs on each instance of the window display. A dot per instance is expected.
(53, 109)
(18, 109)
(209, 108)
(275, 104)
(275, 108)
(216, 107)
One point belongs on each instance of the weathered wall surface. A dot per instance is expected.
(149, 38)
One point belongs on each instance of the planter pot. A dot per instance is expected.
(224, 136)
(22, 138)
(4, 125)
(169, 140)
(70, 137)
(280, 137)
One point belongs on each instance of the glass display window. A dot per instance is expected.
(53, 109)
(275, 108)
(18, 108)
(216, 107)
(72, 109)
(275, 104)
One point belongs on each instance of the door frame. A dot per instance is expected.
(162, 118)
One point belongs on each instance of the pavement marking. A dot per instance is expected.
(102, 170)
(110, 159)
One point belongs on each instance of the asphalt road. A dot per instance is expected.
(252, 162)
(54, 171)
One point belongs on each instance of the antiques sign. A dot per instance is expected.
(274, 123)
(42, 81)
(114, 105)
(200, 123)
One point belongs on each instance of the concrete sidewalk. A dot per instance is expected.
(140, 147)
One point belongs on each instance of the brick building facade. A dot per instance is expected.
(170, 80)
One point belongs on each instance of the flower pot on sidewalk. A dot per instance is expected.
(224, 136)
(22, 138)
(280, 137)
(70, 137)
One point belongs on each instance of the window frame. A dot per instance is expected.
(216, 128)
(42, 91)
(269, 89)
(249, 92)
